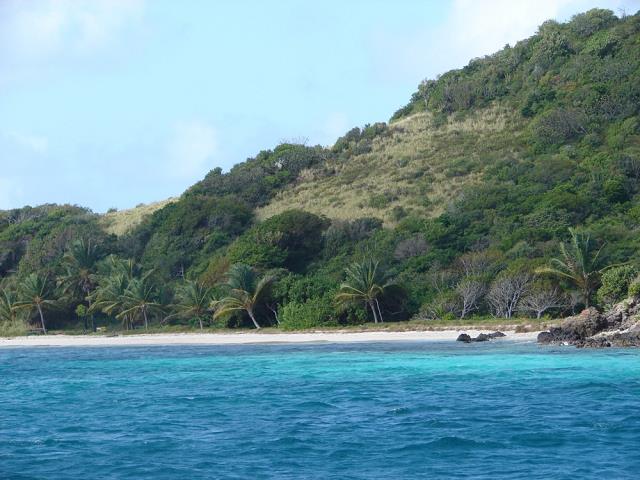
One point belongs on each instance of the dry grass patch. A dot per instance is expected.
(421, 166)
(122, 221)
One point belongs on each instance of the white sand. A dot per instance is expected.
(245, 338)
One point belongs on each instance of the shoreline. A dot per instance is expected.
(249, 338)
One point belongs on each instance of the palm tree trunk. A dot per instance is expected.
(93, 326)
(379, 311)
(44, 329)
(200, 320)
(373, 310)
(253, 319)
(146, 322)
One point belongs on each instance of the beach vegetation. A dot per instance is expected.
(192, 301)
(245, 292)
(36, 295)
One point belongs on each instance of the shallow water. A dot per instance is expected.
(355, 411)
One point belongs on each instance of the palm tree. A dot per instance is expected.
(194, 299)
(108, 297)
(8, 308)
(246, 291)
(366, 283)
(579, 263)
(35, 295)
(139, 300)
(79, 279)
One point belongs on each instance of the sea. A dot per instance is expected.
(389, 410)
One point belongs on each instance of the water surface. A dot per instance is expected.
(354, 411)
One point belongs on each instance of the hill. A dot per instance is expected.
(462, 196)
(120, 222)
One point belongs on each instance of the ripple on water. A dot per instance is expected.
(365, 411)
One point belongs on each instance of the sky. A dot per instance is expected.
(112, 103)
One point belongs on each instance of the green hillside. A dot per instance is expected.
(458, 201)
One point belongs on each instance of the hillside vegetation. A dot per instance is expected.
(414, 166)
(120, 222)
(506, 188)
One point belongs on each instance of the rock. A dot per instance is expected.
(545, 337)
(575, 329)
(482, 337)
(618, 327)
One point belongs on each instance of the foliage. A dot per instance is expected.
(580, 263)
(192, 301)
(368, 284)
(615, 284)
(36, 295)
(246, 292)
(288, 240)
(314, 313)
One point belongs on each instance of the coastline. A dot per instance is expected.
(165, 339)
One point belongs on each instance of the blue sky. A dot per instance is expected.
(111, 103)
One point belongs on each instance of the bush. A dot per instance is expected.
(615, 284)
(316, 312)
(13, 329)
(634, 288)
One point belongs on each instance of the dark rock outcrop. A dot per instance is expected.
(618, 327)
(483, 337)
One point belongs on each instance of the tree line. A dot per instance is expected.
(120, 289)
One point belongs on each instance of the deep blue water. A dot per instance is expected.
(359, 411)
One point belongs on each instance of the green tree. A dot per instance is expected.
(8, 308)
(79, 278)
(366, 283)
(615, 284)
(246, 291)
(579, 263)
(193, 300)
(36, 295)
(140, 299)
(108, 297)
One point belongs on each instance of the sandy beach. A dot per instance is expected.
(245, 338)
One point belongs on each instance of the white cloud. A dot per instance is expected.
(44, 28)
(34, 143)
(473, 29)
(191, 148)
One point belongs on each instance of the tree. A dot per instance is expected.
(140, 300)
(109, 297)
(470, 291)
(615, 284)
(8, 308)
(506, 291)
(579, 263)
(36, 295)
(366, 283)
(542, 298)
(193, 300)
(79, 279)
(246, 291)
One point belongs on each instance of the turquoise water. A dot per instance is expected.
(359, 411)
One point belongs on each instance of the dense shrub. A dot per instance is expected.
(316, 312)
(615, 284)
(290, 239)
